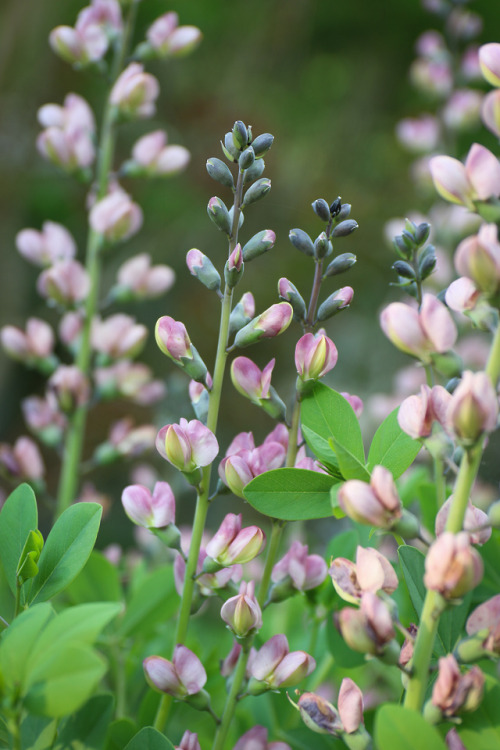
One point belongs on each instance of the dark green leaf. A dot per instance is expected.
(120, 732)
(149, 739)
(392, 448)
(37, 733)
(18, 517)
(398, 727)
(66, 550)
(291, 494)
(154, 601)
(99, 581)
(88, 726)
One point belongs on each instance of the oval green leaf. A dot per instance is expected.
(149, 739)
(392, 448)
(399, 727)
(18, 517)
(291, 494)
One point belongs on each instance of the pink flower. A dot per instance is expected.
(268, 324)
(116, 217)
(143, 280)
(156, 158)
(473, 407)
(375, 504)
(66, 282)
(36, 343)
(231, 544)
(371, 572)
(67, 140)
(256, 739)
(242, 613)
(135, 92)
(454, 691)
(70, 386)
(478, 179)
(315, 356)
(243, 461)
(452, 566)
(168, 39)
(490, 112)
(181, 677)
(304, 571)
(486, 619)
(462, 295)
(355, 401)
(249, 380)
(45, 248)
(118, 336)
(132, 380)
(417, 413)
(478, 258)
(23, 460)
(489, 60)
(419, 333)
(419, 135)
(276, 666)
(187, 445)
(475, 518)
(368, 629)
(350, 705)
(189, 741)
(152, 510)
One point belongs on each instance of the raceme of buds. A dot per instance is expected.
(315, 355)
(276, 666)
(454, 691)
(139, 280)
(478, 258)
(231, 544)
(371, 572)
(258, 244)
(68, 138)
(181, 677)
(336, 302)
(288, 292)
(473, 407)
(375, 504)
(167, 39)
(490, 112)
(116, 217)
(201, 266)
(52, 244)
(150, 509)
(298, 569)
(151, 156)
(485, 621)
(268, 324)
(70, 386)
(489, 60)
(452, 566)
(478, 179)
(173, 340)
(419, 333)
(368, 629)
(475, 522)
(417, 413)
(66, 283)
(187, 445)
(37, 343)
(134, 92)
(118, 336)
(242, 613)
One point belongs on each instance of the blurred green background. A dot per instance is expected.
(329, 79)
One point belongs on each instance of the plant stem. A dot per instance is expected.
(75, 434)
(202, 502)
(427, 629)
(309, 321)
(232, 698)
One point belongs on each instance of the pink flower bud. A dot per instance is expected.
(249, 380)
(68, 138)
(489, 60)
(187, 445)
(242, 613)
(375, 504)
(372, 572)
(462, 295)
(478, 179)
(235, 472)
(231, 544)
(417, 413)
(45, 248)
(276, 666)
(490, 112)
(473, 407)
(475, 518)
(135, 92)
(172, 338)
(256, 739)
(228, 664)
(419, 333)
(315, 356)
(268, 324)
(70, 327)
(478, 258)
(355, 401)
(156, 509)
(116, 217)
(156, 158)
(461, 111)
(319, 715)
(189, 741)
(486, 618)
(452, 566)
(304, 571)
(170, 40)
(43, 416)
(143, 280)
(201, 266)
(454, 691)
(70, 386)
(128, 440)
(66, 282)
(350, 704)
(37, 343)
(432, 77)
(23, 460)
(419, 135)
(183, 676)
(82, 46)
(368, 629)
(118, 336)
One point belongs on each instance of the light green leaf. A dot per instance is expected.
(66, 550)
(18, 517)
(99, 581)
(480, 730)
(398, 727)
(149, 739)
(18, 641)
(291, 494)
(350, 466)
(38, 733)
(392, 448)
(119, 734)
(155, 600)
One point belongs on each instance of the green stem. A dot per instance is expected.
(309, 321)
(203, 502)
(75, 434)
(427, 629)
(272, 553)
(232, 698)
(293, 432)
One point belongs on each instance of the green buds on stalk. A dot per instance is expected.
(257, 191)
(259, 244)
(301, 241)
(340, 264)
(220, 172)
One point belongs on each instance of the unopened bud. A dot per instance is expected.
(259, 244)
(322, 246)
(337, 301)
(220, 172)
(344, 228)
(340, 264)
(404, 269)
(240, 134)
(301, 241)
(257, 191)
(220, 215)
(288, 292)
(254, 172)
(234, 267)
(261, 144)
(202, 267)
(247, 158)
(321, 209)
(336, 206)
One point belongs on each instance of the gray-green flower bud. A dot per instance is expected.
(240, 134)
(422, 232)
(427, 261)
(262, 144)
(288, 292)
(220, 172)
(340, 264)
(322, 246)
(257, 191)
(404, 269)
(301, 241)
(321, 209)
(247, 158)
(344, 228)
(254, 172)
(220, 215)
(229, 149)
(337, 301)
(258, 244)
(345, 210)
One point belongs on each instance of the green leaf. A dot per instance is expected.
(326, 414)
(18, 517)
(19, 639)
(291, 494)
(120, 732)
(480, 729)
(66, 550)
(344, 544)
(86, 730)
(61, 682)
(80, 624)
(149, 739)
(350, 466)
(399, 727)
(392, 448)
(38, 733)
(452, 621)
(99, 581)
(154, 601)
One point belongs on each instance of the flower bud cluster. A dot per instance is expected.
(275, 666)
(96, 27)
(68, 136)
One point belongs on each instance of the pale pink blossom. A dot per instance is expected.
(116, 216)
(23, 460)
(276, 666)
(187, 445)
(150, 509)
(452, 566)
(475, 522)
(419, 333)
(183, 676)
(418, 413)
(490, 112)
(478, 258)
(473, 407)
(315, 355)
(134, 92)
(304, 571)
(455, 691)
(67, 139)
(144, 280)
(168, 39)
(478, 179)
(489, 60)
(52, 244)
(155, 157)
(242, 613)
(66, 282)
(376, 503)
(37, 342)
(118, 336)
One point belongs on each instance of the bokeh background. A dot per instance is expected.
(329, 79)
